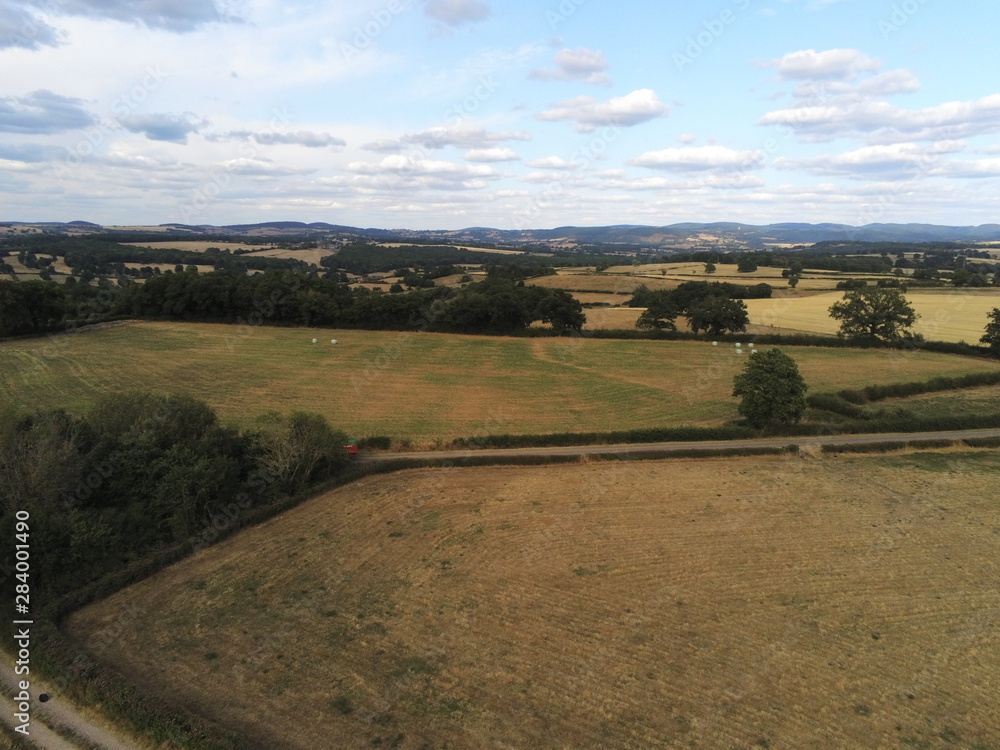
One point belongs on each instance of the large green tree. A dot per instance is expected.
(718, 315)
(661, 312)
(878, 314)
(992, 335)
(771, 388)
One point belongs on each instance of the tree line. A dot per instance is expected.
(496, 305)
(141, 471)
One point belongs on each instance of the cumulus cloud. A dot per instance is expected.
(462, 136)
(30, 153)
(400, 172)
(456, 12)
(808, 64)
(637, 107)
(881, 122)
(897, 160)
(385, 146)
(700, 159)
(553, 162)
(579, 64)
(269, 138)
(161, 127)
(176, 15)
(488, 155)
(261, 168)
(21, 28)
(42, 112)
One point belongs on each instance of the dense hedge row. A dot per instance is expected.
(646, 435)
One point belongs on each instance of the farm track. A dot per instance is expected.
(50, 721)
(700, 445)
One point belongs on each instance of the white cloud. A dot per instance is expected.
(579, 64)
(881, 122)
(488, 155)
(462, 136)
(553, 162)
(42, 111)
(902, 160)
(808, 64)
(161, 127)
(261, 168)
(401, 173)
(699, 159)
(384, 146)
(637, 107)
(305, 138)
(456, 12)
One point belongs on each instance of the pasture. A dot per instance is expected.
(947, 315)
(786, 602)
(426, 386)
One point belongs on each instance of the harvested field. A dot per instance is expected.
(601, 283)
(949, 315)
(424, 386)
(822, 603)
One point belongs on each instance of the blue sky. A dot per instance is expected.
(442, 114)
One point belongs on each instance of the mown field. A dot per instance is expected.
(948, 315)
(424, 386)
(786, 602)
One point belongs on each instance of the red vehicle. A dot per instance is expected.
(352, 446)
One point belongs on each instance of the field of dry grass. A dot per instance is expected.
(947, 315)
(607, 283)
(425, 386)
(791, 602)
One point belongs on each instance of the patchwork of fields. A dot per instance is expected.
(782, 602)
(424, 386)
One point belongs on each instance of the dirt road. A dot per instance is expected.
(77, 730)
(701, 445)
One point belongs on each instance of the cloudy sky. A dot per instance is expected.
(438, 114)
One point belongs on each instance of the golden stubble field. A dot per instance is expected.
(787, 602)
(947, 315)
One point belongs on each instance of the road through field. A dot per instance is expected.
(700, 445)
(57, 713)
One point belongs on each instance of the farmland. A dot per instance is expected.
(781, 602)
(422, 386)
(948, 315)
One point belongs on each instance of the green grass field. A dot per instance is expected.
(424, 386)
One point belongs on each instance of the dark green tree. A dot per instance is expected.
(718, 315)
(771, 388)
(710, 268)
(992, 335)
(878, 314)
(661, 312)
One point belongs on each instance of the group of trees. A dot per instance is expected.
(141, 471)
(710, 307)
(496, 305)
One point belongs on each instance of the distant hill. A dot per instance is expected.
(682, 236)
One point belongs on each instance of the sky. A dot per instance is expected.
(444, 114)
